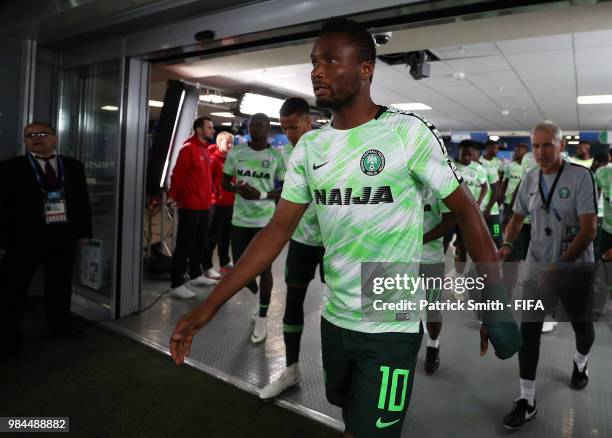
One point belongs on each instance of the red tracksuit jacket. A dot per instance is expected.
(221, 197)
(191, 181)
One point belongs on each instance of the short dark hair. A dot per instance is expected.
(360, 37)
(199, 122)
(294, 105)
(45, 124)
(585, 142)
(522, 145)
(260, 116)
(464, 144)
(491, 142)
(601, 157)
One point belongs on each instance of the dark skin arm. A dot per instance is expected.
(511, 233)
(443, 228)
(476, 236)
(509, 214)
(478, 242)
(261, 253)
(483, 192)
(492, 199)
(245, 190)
(504, 188)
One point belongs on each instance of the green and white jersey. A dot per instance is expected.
(585, 163)
(603, 178)
(433, 251)
(492, 173)
(367, 185)
(474, 177)
(307, 231)
(260, 169)
(527, 164)
(514, 174)
(494, 162)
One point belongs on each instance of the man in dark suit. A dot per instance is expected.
(44, 212)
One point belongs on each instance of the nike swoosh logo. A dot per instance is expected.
(381, 424)
(315, 167)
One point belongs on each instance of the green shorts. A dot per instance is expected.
(495, 229)
(370, 376)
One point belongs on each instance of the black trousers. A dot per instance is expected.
(572, 290)
(17, 272)
(220, 232)
(191, 245)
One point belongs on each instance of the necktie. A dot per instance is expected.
(50, 175)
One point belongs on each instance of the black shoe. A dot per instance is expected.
(432, 360)
(521, 414)
(580, 379)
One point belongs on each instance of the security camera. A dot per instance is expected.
(382, 38)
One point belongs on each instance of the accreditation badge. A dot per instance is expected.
(54, 207)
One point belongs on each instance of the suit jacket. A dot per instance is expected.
(22, 224)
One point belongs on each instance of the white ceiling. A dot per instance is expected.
(532, 78)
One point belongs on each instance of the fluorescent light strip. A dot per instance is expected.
(595, 99)
(224, 114)
(216, 98)
(156, 103)
(411, 106)
(226, 123)
(110, 108)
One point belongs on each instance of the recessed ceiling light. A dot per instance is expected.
(226, 123)
(217, 98)
(494, 137)
(573, 142)
(110, 108)
(595, 99)
(224, 114)
(568, 137)
(411, 106)
(156, 103)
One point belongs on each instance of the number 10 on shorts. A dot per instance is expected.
(384, 386)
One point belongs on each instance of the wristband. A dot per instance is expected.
(263, 195)
(508, 244)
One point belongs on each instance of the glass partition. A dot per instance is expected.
(89, 129)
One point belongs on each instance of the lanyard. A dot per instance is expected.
(37, 170)
(545, 195)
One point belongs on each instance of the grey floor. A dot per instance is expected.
(468, 396)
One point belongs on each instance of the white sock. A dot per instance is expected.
(432, 343)
(581, 360)
(528, 391)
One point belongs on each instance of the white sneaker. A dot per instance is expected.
(289, 377)
(260, 330)
(203, 280)
(548, 326)
(226, 268)
(255, 311)
(212, 273)
(182, 292)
